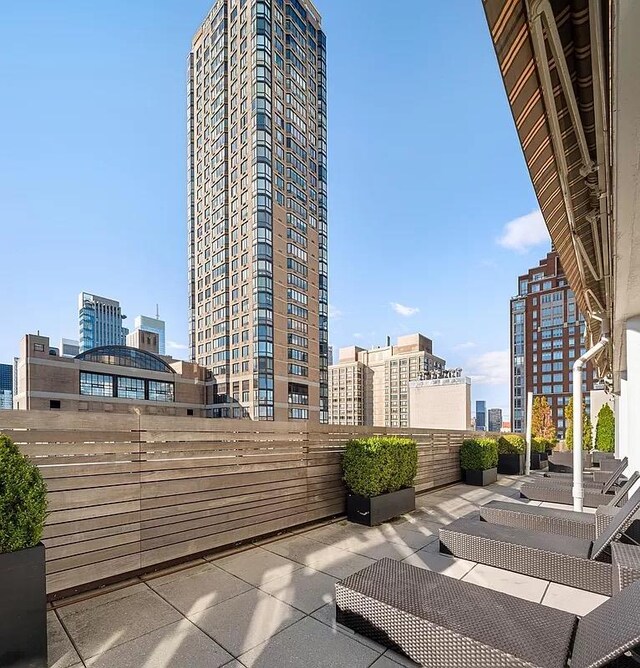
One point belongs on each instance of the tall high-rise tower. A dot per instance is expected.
(481, 415)
(257, 208)
(100, 322)
(6, 386)
(546, 339)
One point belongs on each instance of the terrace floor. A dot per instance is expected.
(270, 603)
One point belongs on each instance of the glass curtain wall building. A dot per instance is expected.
(257, 208)
(100, 322)
(481, 415)
(6, 386)
(494, 419)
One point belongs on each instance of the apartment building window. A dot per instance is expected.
(298, 394)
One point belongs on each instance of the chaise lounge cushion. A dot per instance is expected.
(584, 518)
(565, 545)
(529, 631)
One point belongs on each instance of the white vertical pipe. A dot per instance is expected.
(578, 365)
(578, 491)
(527, 461)
(631, 415)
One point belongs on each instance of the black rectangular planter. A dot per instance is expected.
(479, 478)
(23, 608)
(378, 509)
(511, 464)
(539, 461)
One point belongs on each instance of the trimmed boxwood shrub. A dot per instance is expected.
(379, 464)
(511, 444)
(479, 454)
(539, 445)
(606, 430)
(23, 499)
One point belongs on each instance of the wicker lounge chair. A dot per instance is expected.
(563, 461)
(607, 479)
(563, 493)
(576, 562)
(587, 526)
(597, 457)
(439, 621)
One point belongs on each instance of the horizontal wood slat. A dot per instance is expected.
(129, 492)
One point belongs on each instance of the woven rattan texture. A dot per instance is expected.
(604, 515)
(626, 565)
(591, 499)
(609, 630)
(619, 524)
(574, 571)
(439, 621)
(547, 520)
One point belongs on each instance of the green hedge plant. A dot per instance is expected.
(511, 444)
(23, 499)
(379, 464)
(606, 430)
(541, 445)
(479, 454)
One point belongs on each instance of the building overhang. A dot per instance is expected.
(554, 60)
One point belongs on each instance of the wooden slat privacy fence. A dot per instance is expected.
(129, 492)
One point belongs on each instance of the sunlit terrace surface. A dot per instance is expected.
(270, 603)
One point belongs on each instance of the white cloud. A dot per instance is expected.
(358, 335)
(403, 310)
(334, 313)
(465, 346)
(177, 346)
(490, 368)
(524, 233)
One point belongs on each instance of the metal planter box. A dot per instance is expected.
(539, 461)
(378, 509)
(23, 608)
(480, 478)
(512, 464)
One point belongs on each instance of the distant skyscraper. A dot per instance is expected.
(257, 208)
(495, 419)
(481, 416)
(546, 338)
(154, 325)
(69, 347)
(100, 322)
(6, 386)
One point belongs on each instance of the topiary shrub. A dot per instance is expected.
(23, 499)
(511, 444)
(479, 454)
(379, 464)
(606, 430)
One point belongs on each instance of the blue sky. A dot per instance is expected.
(427, 184)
